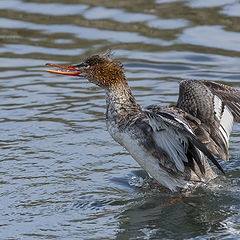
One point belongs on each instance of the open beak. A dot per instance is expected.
(71, 70)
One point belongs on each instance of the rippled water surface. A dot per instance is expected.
(62, 176)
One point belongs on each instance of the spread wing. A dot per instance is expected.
(212, 108)
(175, 137)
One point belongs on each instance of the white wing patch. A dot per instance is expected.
(217, 107)
(226, 124)
(225, 117)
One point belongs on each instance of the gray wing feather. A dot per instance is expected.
(230, 97)
(216, 106)
(173, 134)
(172, 142)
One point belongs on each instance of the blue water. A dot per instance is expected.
(62, 176)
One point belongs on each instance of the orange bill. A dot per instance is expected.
(72, 71)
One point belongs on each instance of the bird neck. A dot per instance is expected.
(120, 101)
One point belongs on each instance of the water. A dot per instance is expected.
(62, 176)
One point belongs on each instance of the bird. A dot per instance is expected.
(173, 144)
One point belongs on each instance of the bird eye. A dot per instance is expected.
(86, 65)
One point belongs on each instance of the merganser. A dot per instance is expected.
(170, 143)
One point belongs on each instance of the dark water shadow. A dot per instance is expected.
(210, 210)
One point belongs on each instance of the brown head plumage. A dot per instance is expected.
(100, 69)
(103, 71)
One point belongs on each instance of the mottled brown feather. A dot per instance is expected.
(197, 99)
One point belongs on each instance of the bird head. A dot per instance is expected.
(100, 69)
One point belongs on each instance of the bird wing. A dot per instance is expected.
(174, 136)
(211, 110)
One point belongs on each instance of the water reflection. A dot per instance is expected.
(43, 8)
(116, 15)
(200, 214)
(207, 35)
(232, 10)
